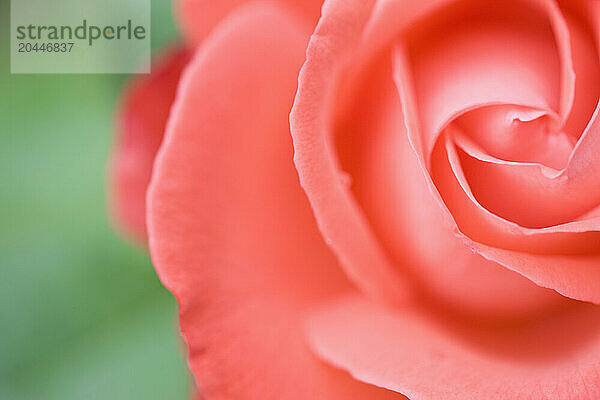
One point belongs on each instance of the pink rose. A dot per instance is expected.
(443, 238)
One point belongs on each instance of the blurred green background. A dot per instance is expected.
(82, 313)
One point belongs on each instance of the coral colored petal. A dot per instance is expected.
(577, 277)
(231, 233)
(564, 44)
(574, 268)
(321, 175)
(518, 134)
(586, 64)
(526, 193)
(340, 219)
(198, 17)
(445, 74)
(388, 183)
(140, 127)
(574, 276)
(496, 54)
(463, 179)
(402, 76)
(563, 280)
(578, 237)
(402, 350)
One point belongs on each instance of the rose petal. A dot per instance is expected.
(231, 233)
(389, 185)
(559, 199)
(500, 53)
(480, 224)
(581, 24)
(518, 134)
(580, 282)
(198, 17)
(140, 126)
(573, 275)
(552, 358)
(561, 279)
(527, 193)
(577, 277)
(340, 219)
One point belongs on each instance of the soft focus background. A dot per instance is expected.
(82, 313)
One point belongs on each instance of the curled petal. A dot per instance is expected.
(340, 219)
(231, 233)
(477, 222)
(388, 183)
(576, 277)
(554, 273)
(528, 193)
(500, 53)
(517, 134)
